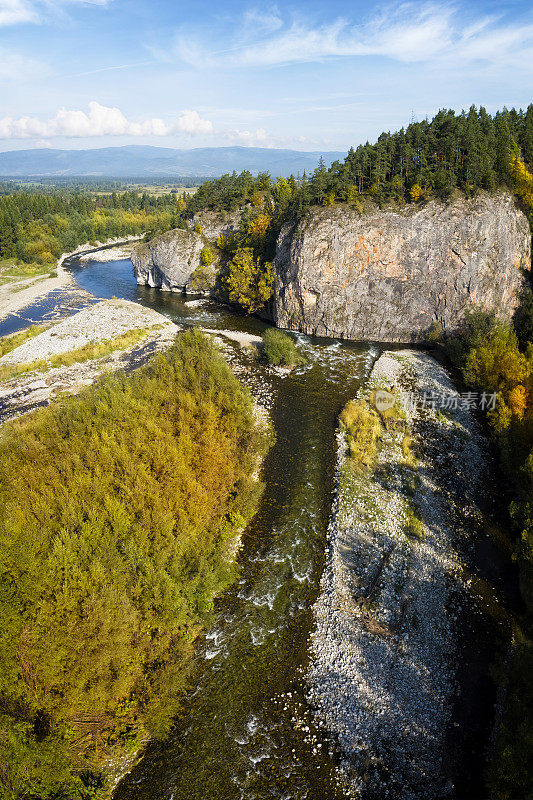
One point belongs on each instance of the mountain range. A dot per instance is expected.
(146, 161)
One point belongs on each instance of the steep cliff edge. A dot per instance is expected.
(387, 275)
(172, 261)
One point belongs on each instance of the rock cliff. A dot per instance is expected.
(387, 275)
(171, 261)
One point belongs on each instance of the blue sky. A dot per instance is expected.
(307, 75)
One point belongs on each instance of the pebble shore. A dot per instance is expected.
(381, 677)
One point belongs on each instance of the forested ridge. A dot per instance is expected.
(37, 226)
(118, 511)
(469, 151)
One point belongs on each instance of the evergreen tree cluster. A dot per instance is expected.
(468, 151)
(38, 227)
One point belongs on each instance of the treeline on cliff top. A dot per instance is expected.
(118, 510)
(468, 151)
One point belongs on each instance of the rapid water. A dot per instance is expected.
(246, 730)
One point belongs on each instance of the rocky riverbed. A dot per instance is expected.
(101, 322)
(382, 675)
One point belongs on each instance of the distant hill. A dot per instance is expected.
(144, 161)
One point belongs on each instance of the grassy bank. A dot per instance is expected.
(87, 352)
(118, 508)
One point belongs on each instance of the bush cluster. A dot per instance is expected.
(118, 509)
(280, 349)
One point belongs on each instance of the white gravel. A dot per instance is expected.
(97, 322)
(381, 676)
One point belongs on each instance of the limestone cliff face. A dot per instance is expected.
(387, 275)
(171, 261)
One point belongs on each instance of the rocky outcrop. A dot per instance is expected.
(168, 261)
(216, 223)
(387, 275)
(171, 261)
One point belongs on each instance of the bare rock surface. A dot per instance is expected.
(387, 275)
(170, 260)
(383, 654)
(215, 223)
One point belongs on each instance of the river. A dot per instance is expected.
(238, 738)
(247, 731)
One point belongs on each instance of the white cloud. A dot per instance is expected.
(100, 121)
(406, 32)
(191, 122)
(261, 20)
(15, 12)
(258, 138)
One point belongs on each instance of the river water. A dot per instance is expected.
(246, 730)
(243, 733)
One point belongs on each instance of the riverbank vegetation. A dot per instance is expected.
(118, 511)
(280, 349)
(9, 343)
(87, 352)
(35, 228)
(497, 357)
(362, 428)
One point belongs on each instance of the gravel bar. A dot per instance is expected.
(381, 677)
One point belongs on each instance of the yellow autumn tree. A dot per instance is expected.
(257, 198)
(523, 181)
(258, 226)
(249, 282)
(496, 364)
(416, 192)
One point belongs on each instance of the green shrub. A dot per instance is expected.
(523, 318)
(363, 429)
(202, 279)
(9, 343)
(279, 349)
(206, 256)
(414, 524)
(118, 509)
(511, 772)
(434, 333)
